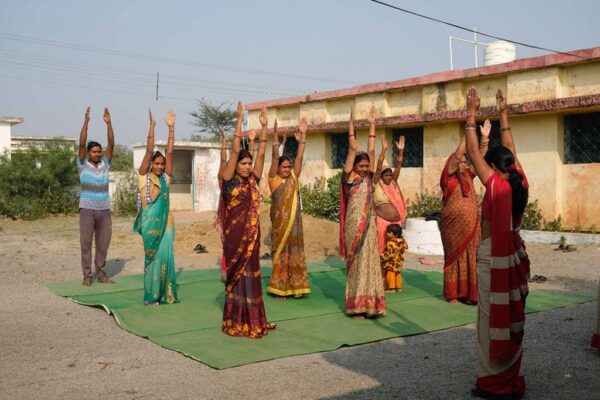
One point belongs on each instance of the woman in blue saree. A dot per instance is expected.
(154, 222)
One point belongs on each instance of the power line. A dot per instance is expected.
(128, 79)
(478, 32)
(150, 75)
(180, 61)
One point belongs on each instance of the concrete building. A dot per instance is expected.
(24, 143)
(6, 124)
(194, 184)
(554, 105)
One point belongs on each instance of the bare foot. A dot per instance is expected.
(358, 317)
(453, 301)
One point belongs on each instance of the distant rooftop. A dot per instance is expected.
(11, 120)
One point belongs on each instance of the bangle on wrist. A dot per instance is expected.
(505, 129)
(371, 136)
(302, 142)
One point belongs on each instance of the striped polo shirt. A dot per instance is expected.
(94, 184)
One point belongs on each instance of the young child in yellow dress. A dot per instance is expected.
(392, 259)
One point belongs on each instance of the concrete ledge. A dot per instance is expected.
(554, 237)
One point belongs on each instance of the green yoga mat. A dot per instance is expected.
(312, 324)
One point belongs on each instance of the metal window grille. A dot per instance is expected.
(291, 147)
(339, 149)
(582, 138)
(413, 149)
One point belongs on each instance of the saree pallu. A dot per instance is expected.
(461, 233)
(503, 271)
(364, 286)
(219, 221)
(155, 224)
(244, 311)
(289, 276)
(393, 196)
(596, 335)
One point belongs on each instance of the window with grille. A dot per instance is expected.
(291, 147)
(494, 133)
(582, 138)
(413, 149)
(339, 149)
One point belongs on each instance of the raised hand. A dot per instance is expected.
(486, 128)
(106, 115)
(170, 119)
(251, 135)
(240, 111)
(500, 102)
(400, 143)
(473, 101)
(223, 136)
(263, 118)
(384, 144)
(87, 114)
(152, 121)
(300, 133)
(372, 115)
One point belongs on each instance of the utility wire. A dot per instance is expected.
(129, 79)
(151, 75)
(478, 32)
(180, 61)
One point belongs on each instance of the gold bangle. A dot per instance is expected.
(505, 129)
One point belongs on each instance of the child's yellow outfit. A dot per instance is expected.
(392, 261)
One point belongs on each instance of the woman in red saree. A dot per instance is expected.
(502, 263)
(358, 230)
(459, 225)
(389, 202)
(289, 276)
(244, 311)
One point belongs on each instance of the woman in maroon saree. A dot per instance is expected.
(244, 311)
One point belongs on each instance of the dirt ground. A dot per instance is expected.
(51, 348)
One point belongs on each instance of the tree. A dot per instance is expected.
(122, 159)
(209, 118)
(36, 182)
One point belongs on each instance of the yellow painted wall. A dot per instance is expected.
(579, 195)
(559, 189)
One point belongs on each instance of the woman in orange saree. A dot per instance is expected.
(289, 276)
(389, 202)
(502, 263)
(358, 231)
(459, 225)
(244, 311)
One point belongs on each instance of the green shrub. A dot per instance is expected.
(125, 197)
(424, 203)
(533, 217)
(322, 199)
(555, 225)
(37, 182)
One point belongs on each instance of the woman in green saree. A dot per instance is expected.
(154, 222)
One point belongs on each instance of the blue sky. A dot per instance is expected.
(248, 50)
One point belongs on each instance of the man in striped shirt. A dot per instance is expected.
(94, 201)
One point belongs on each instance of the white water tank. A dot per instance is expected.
(499, 52)
(423, 237)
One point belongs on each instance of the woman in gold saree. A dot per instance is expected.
(358, 230)
(289, 276)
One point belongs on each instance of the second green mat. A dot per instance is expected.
(312, 324)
